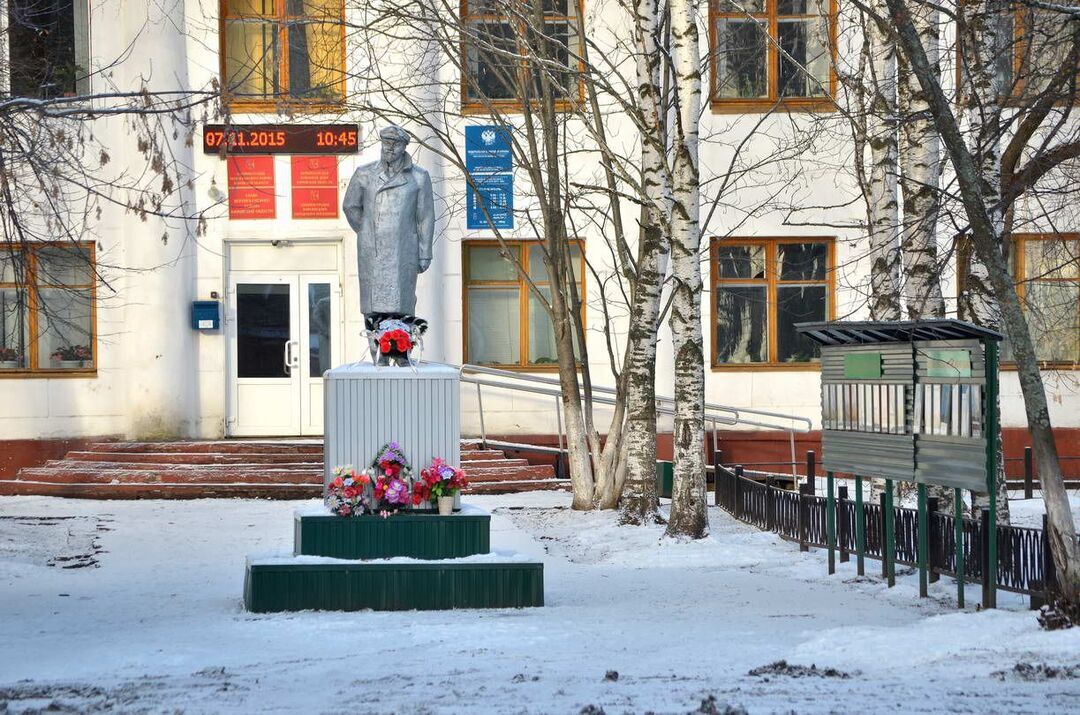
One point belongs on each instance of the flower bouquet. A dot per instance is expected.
(393, 480)
(393, 337)
(346, 494)
(10, 358)
(439, 483)
(71, 355)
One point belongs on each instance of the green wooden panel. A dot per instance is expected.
(392, 587)
(862, 366)
(665, 479)
(948, 363)
(418, 536)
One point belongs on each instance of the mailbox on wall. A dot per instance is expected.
(206, 315)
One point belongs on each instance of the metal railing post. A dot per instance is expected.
(1029, 472)
(480, 403)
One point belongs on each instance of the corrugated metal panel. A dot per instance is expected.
(391, 587)
(958, 462)
(896, 364)
(868, 454)
(978, 362)
(419, 536)
(366, 407)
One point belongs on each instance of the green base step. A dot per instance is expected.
(414, 535)
(306, 583)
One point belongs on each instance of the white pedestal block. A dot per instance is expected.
(366, 407)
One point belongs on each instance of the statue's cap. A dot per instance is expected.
(394, 132)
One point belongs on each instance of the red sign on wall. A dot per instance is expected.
(314, 187)
(251, 187)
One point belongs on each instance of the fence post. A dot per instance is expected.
(717, 462)
(958, 532)
(738, 492)
(922, 533)
(811, 471)
(1029, 472)
(804, 517)
(860, 528)
(770, 505)
(988, 572)
(890, 531)
(1049, 575)
(830, 522)
(932, 506)
(841, 515)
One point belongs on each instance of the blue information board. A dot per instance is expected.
(489, 161)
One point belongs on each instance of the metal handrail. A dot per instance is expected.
(715, 414)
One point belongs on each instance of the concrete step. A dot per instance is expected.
(193, 475)
(503, 474)
(238, 468)
(471, 454)
(197, 457)
(468, 465)
(220, 446)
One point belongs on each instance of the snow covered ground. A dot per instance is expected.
(148, 618)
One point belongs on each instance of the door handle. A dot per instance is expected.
(287, 357)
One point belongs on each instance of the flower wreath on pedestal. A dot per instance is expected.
(393, 336)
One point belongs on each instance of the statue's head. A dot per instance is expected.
(394, 140)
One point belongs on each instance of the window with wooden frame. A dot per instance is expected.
(768, 53)
(48, 44)
(276, 52)
(1047, 267)
(47, 309)
(505, 325)
(497, 36)
(1042, 41)
(761, 289)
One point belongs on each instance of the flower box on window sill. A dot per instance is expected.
(10, 365)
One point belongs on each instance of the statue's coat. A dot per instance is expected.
(394, 220)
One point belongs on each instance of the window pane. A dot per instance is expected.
(806, 73)
(45, 48)
(494, 322)
(249, 8)
(314, 8)
(319, 318)
(1051, 258)
(64, 325)
(14, 335)
(802, 261)
(492, 63)
(734, 7)
(541, 335)
(538, 269)
(552, 48)
(741, 261)
(64, 265)
(487, 264)
(1045, 47)
(741, 327)
(263, 325)
(798, 304)
(1053, 312)
(315, 58)
(802, 7)
(741, 52)
(12, 264)
(251, 58)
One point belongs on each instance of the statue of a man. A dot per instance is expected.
(390, 206)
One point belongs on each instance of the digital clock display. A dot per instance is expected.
(281, 139)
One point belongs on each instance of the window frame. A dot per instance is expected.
(771, 282)
(33, 308)
(516, 105)
(1023, 19)
(721, 105)
(523, 298)
(1019, 265)
(281, 19)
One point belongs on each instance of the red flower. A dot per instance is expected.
(350, 492)
(338, 482)
(363, 479)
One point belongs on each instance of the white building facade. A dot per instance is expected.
(263, 236)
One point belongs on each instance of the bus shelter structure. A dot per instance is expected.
(913, 401)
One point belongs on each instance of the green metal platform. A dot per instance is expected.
(418, 535)
(303, 583)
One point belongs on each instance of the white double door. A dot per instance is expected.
(284, 333)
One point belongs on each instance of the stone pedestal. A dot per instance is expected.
(368, 406)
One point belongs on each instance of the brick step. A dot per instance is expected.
(470, 454)
(511, 487)
(144, 476)
(172, 467)
(502, 474)
(141, 490)
(481, 463)
(222, 446)
(196, 457)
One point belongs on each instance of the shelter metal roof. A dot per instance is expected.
(852, 332)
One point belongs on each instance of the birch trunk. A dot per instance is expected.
(880, 191)
(969, 174)
(639, 367)
(688, 515)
